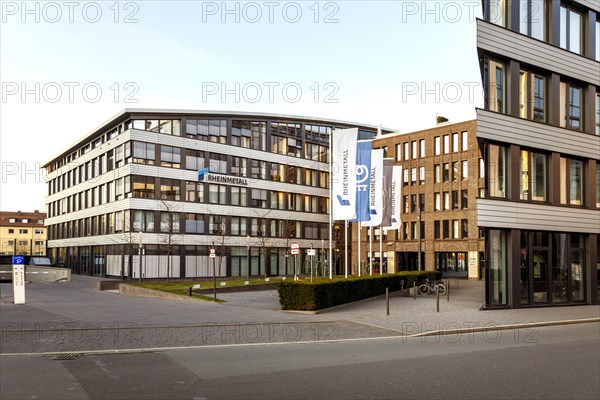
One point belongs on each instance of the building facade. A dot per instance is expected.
(22, 233)
(540, 134)
(247, 185)
(442, 179)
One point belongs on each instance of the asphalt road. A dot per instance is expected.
(558, 362)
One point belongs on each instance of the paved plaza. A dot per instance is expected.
(74, 317)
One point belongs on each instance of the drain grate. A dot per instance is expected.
(65, 357)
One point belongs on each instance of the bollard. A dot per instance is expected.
(401, 288)
(387, 301)
(437, 306)
(190, 291)
(415, 289)
(448, 290)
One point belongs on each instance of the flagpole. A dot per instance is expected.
(346, 248)
(370, 250)
(330, 205)
(381, 250)
(359, 233)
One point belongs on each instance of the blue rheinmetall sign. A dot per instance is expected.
(18, 260)
(205, 176)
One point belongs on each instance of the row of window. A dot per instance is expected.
(535, 18)
(534, 97)
(25, 221)
(26, 231)
(415, 149)
(130, 222)
(442, 229)
(534, 171)
(175, 157)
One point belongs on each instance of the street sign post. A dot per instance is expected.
(18, 278)
(295, 250)
(311, 252)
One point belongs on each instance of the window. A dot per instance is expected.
(406, 172)
(169, 222)
(598, 113)
(533, 176)
(532, 96)
(421, 175)
(194, 192)
(170, 156)
(455, 171)
(217, 163)
(436, 229)
(571, 106)
(24, 220)
(571, 181)
(446, 229)
(465, 141)
(422, 147)
(446, 172)
(455, 199)
(251, 134)
(143, 153)
(437, 145)
(497, 165)
(464, 196)
(23, 231)
(455, 229)
(413, 176)
(11, 231)
(465, 170)
(437, 173)
(398, 151)
(446, 144)
(143, 221)
(213, 130)
(143, 187)
(169, 189)
(407, 151)
(238, 196)
(413, 203)
(194, 160)
(598, 187)
(496, 89)
(12, 220)
(498, 12)
(194, 223)
(481, 168)
(238, 226)
(437, 202)
(597, 40)
(464, 231)
(570, 29)
(533, 18)
(422, 202)
(259, 199)
(415, 152)
(455, 143)
(217, 194)
(446, 200)
(278, 172)
(258, 169)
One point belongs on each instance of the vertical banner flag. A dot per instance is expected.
(343, 173)
(376, 189)
(388, 163)
(395, 196)
(363, 180)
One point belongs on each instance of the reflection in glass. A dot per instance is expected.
(559, 268)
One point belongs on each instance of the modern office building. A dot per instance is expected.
(22, 233)
(442, 179)
(540, 134)
(248, 185)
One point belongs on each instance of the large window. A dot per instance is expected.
(239, 166)
(534, 176)
(598, 114)
(437, 144)
(170, 189)
(169, 127)
(533, 18)
(170, 156)
(598, 187)
(250, 134)
(169, 222)
(497, 87)
(194, 192)
(217, 163)
(571, 181)
(437, 173)
(217, 194)
(498, 171)
(143, 153)
(532, 96)
(213, 130)
(239, 196)
(194, 159)
(143, 187)
(498, 12)
(497, 264)
(570, 29)
(194, 223)
(571, 103)
(446, 144)
(143, 221)
(258, 169)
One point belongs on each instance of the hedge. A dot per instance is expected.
(306, 296)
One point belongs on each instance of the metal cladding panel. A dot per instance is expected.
(504, 42)
(523, 132)
(591, 4)
(506, 214)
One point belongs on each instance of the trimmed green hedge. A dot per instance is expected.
(325, 293)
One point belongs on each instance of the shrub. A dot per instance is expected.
(326, 293)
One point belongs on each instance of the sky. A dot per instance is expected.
(67, 67)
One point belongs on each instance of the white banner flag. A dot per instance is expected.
(376, 189)
(343, 182)
(396, 195)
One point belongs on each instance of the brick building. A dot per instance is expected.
(442, 179)
(22, 233)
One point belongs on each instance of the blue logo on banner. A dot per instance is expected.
(342, 201)
(18, 260)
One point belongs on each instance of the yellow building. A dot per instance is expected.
(22, 233)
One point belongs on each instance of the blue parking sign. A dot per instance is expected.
(18, 260)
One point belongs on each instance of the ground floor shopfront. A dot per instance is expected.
(160, 261)
(537, 268)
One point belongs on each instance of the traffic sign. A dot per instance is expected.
(311, 252)
(18, 260)
(212, 253)
(295, 247)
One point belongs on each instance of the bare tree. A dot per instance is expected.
(261, 234)
(169, 228)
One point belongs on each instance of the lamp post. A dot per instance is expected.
(248, 257)
(140, 259)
